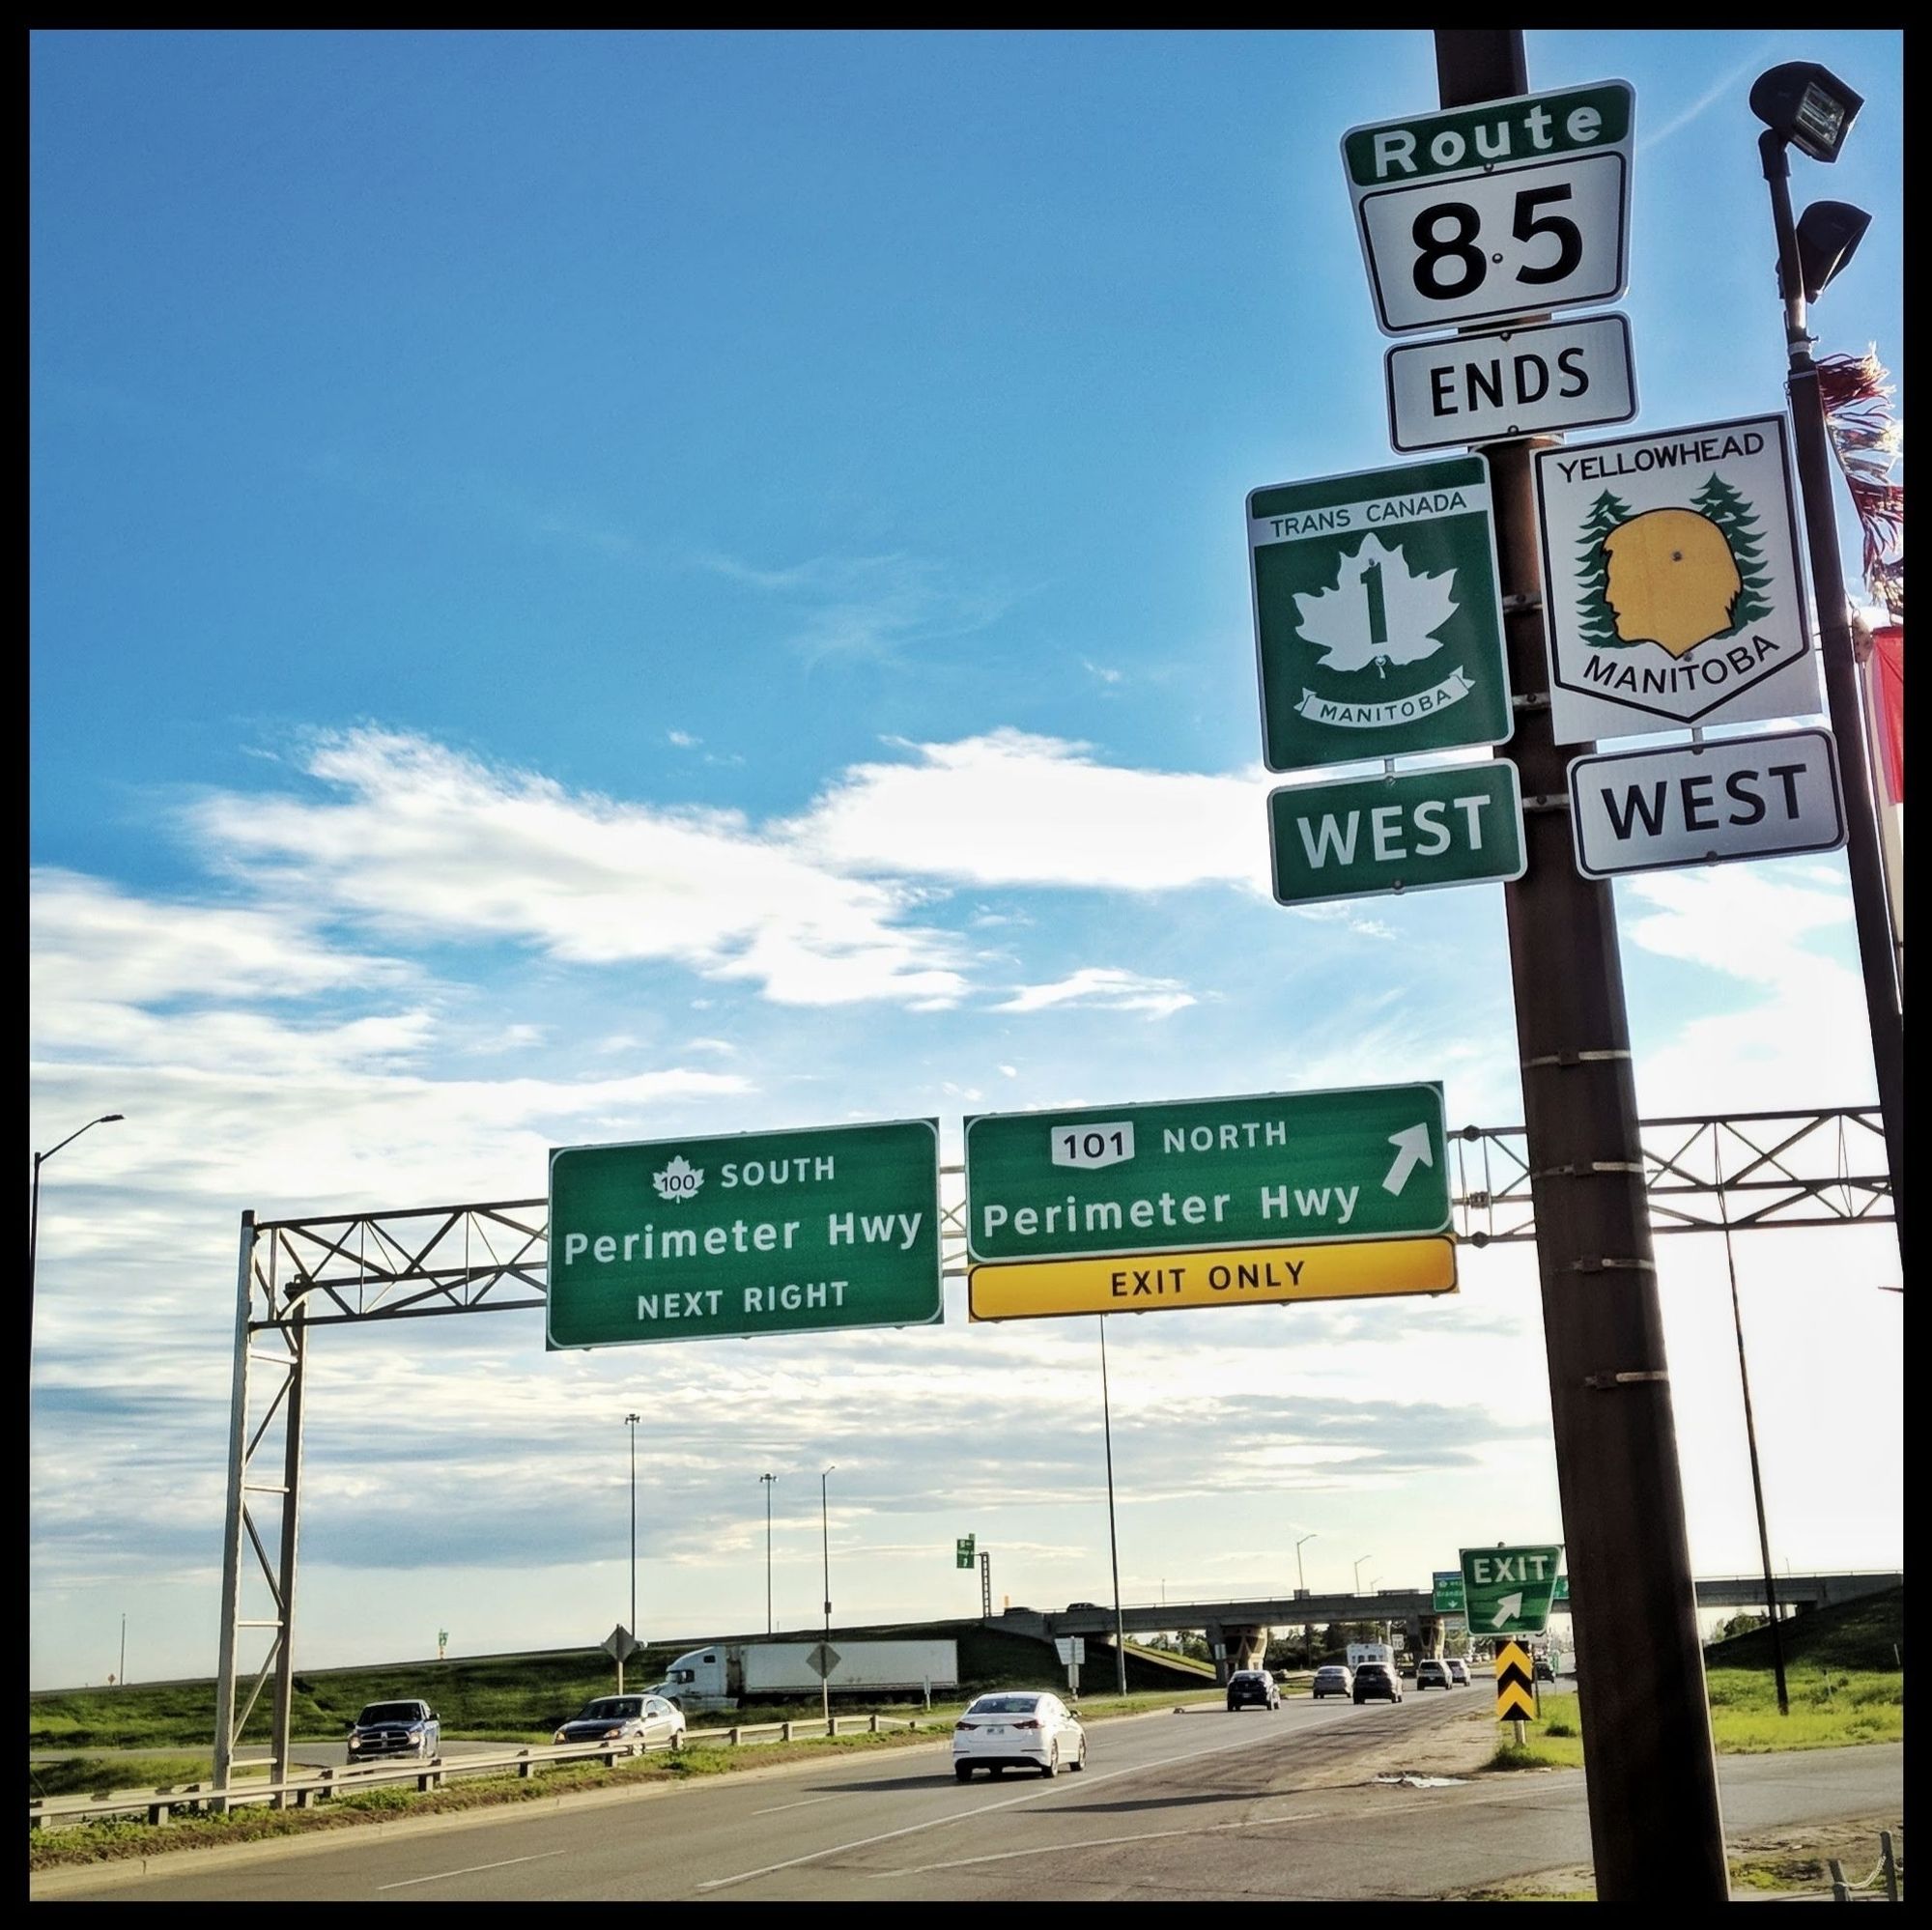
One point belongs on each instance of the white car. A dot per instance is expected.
(1018, 1729)
(648, 1721)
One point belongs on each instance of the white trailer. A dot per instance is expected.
(725, 1674)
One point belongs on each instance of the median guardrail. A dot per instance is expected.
(313, 1786)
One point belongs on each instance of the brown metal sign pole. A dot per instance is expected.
(1656, 1830)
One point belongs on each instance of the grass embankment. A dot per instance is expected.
(521, 1698)
(1841, 1682)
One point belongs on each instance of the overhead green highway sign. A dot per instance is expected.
(1268, 1169)
(750, 1233)
(1508, 1590)
(1448, 1592)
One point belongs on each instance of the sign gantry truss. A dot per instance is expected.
(1745, 1172)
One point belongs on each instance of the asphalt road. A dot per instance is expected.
(1199, 1807)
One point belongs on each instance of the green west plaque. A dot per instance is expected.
(755, 1233)
(1378, 615)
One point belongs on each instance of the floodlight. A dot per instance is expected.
(1807, 105)
(1829, 234)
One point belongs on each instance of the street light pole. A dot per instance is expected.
(1358, 1571)
(1302, 1583)
(1863, 857)
(122, 1678)
(1113, 1541)
(631, 1422)
(825, 1550)
(768, 1481)
(34, 1213)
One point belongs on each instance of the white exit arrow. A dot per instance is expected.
(1412, 1150)
(1507, 1611)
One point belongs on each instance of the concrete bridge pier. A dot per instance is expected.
(1234, 1645)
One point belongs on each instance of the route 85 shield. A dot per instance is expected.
(1378, 615)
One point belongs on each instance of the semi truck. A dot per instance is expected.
(725, 1674)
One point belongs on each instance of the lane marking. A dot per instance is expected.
(806, 1804)
(1145, 1836)
(1093, 1844)
(1058, 1785)
(472, 1869)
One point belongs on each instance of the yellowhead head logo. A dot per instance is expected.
(1672, 580)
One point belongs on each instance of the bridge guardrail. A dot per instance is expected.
(313, 1786)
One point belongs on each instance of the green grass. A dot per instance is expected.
(1829, 1708)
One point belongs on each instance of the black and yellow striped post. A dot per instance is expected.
(1516, 1686)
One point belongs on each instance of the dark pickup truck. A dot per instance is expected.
(395, 1729)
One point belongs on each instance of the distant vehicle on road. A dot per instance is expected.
(1370, 1652)
(1459, 1671)
(726, 1674)
(1027, 1729)
(1431, 1672)
(648, 1720)
(1546, 1670)
(1332, 1679)
(1378, 1682)
(1253, 1684)
(410, 1728)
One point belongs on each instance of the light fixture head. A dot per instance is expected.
(1806, 104)
(1829, 234)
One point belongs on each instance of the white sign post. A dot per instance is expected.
(1515, 382)
(1670, 576)
(1706, 804)
(1482, 214)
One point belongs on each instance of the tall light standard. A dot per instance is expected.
(34, 1213)
(768, 1481)
(122, 1678)
(1301, 1585)
(825, 1549)
(1804, 106)
(1358, 1571)
(1113, 1541)
(631, 1422)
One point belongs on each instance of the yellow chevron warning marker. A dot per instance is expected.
(1515, 1683)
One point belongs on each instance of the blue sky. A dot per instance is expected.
(604, 585)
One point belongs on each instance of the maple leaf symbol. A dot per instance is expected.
(678, 1180)
(1381, 611)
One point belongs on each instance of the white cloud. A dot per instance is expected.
(1105, 987)
(1013, 808)
(1804, 1039)
(423, 842)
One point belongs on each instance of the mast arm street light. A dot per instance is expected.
(768, 1481)
(34, 1211)
(631, 1422)
(1300, 1579)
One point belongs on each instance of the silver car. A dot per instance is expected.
(648, 1721)
(1018, 1729)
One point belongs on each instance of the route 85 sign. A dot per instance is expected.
(1377, 617)
(1483, 213)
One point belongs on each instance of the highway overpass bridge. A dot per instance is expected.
(1236, 1630)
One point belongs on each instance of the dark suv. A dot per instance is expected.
(1253, 1684)
(1377, 1682)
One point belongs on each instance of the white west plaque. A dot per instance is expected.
(1706, 804)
